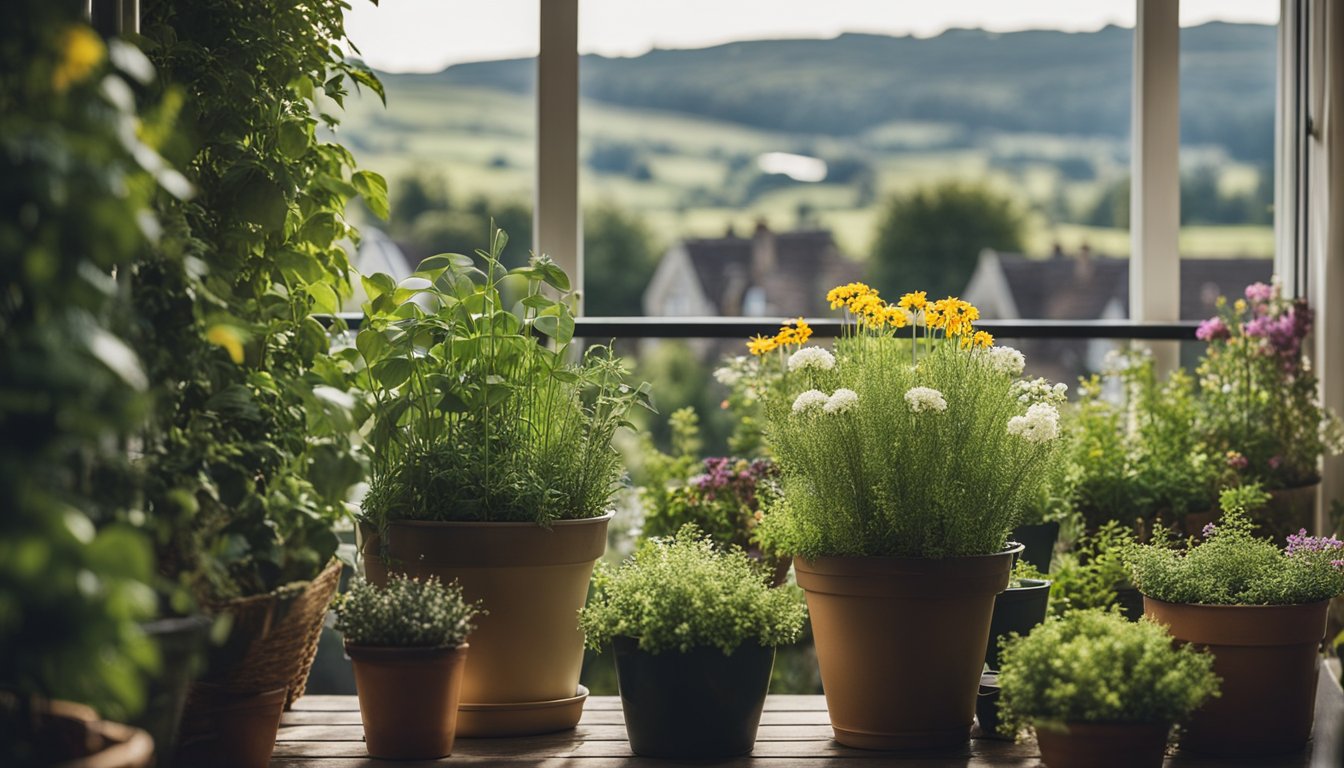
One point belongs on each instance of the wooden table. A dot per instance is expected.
(325, 732)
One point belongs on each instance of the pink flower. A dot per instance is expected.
(1211, 329)
(1236, 460)
(1275, 462)
(1209, 530)
(1259, 292)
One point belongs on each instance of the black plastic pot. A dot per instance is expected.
(1130, 601)
(180, 642)
(698, 704)
(987, 706)
(1016, 609)
(1038, 541)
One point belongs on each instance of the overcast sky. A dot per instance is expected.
(426, 35)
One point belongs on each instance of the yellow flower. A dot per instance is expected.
(1239, 306)
(914, 301)
(786, 336)
(840, 295)
(229, 338)
(803, 332)
(81, 52)
(897, 317)
(864, 303)
(759, 345)
(983, 339)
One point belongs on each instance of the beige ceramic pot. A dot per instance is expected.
(522, 675)
(901, 644)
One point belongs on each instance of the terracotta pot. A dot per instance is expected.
(224, 728)
(408, 699)
(1104, 745)
(62, 734)
(1017, 609)
(699, 704)
(1038, 543)
(528, 649)
(1268, 659)
(901, 644)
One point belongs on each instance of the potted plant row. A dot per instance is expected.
(694, 630)
(492, 466)
(408, 644)
(907, 457)
(1261, 609)
(1100, 691)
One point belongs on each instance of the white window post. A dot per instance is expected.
(556, 217)
(1155, 173)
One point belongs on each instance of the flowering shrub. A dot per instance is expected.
(1231, 566)
(683, 592)
(1094, 666)
(1259, 406)
(406, 613)
(913, 439)
(724, 501)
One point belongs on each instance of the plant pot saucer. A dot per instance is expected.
(525, 718)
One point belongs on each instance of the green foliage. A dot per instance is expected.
(1139, 459)
(1230, 566)
(1094, 666)
(474, 416)
(618, 260)
(248, 461)
(885, 475)
(406, 612)
(684, 592)
(932, 237)
(1088, 576)
(73, 212)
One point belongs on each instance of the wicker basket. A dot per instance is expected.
(274, 636)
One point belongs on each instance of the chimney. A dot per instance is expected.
(764, 258)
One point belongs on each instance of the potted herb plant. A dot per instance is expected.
(1260, 609)
(906, 458)
(1101, 691)
(694, 629)
(1259, 405)
(492, 465)
(408, 644)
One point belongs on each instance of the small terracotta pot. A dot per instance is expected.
(533, 581)
(224, 728)
(1104, 745)
(1268, 657)
(699, 704)
(408, 699)
(901, 644)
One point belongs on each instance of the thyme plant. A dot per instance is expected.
(684, 592)
(406, 613)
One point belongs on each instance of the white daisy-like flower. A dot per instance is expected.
(842, 401)
(1005, 360)
(921, 399)
(1039, 425)
(811, 359)
(810, 401)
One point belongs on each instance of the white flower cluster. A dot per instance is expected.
(843, 401)
(810, 401)
(727, 376)
(1005, 360)
(811, 359)
(921, 399)
(1039, 390)
(1039, 425)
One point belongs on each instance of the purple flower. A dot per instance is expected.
(1209, 530)
(1337, 563)
(1259, 292)
(1300, 542)
(1211, 329)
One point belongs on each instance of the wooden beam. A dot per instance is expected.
(556, 218)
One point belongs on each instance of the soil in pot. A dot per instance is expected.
(180, 642)
(534, 580)
(1017, 609)
(225, 728)
(1038, 543)
(901, 644)
(699, 704)
(1104, 745)
(1268, 657)
(408, 699)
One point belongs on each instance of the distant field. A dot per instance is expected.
(696, 174)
